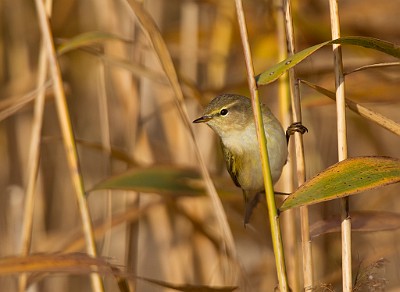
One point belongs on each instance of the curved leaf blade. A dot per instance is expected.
(361, 221)
(86, 39)
(72, 263)
(370, 43)
(276, 71)
(189, 287)
(165, 180)
(348, 177)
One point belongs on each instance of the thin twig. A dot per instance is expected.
(67, 133)
(342, 144)
(372, 66)
(11, 105)
(364, 112)
(269, 190)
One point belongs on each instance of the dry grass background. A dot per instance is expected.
(119, 99)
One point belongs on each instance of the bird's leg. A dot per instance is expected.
(250, 206)
(245, 200)
(293, 128)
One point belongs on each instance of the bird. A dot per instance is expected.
(231, 117)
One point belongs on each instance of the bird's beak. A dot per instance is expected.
(202, 119)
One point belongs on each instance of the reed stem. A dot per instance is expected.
(342, 144)
(269, 189)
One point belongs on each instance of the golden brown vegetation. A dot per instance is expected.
(124, 113)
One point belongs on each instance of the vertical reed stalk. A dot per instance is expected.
(269, 189)
(301, 174)
(34, 155)
(289, 217)
(133, 228)
(68, 138)
(221, 43)
(106, 145)
(342, 144)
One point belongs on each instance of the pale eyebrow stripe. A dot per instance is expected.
(227, 106)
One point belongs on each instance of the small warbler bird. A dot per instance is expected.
(231, 117)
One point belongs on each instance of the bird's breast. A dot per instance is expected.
(244, 148)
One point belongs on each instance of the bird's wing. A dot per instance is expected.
(231, 165)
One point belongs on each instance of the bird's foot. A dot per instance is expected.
(295, 127)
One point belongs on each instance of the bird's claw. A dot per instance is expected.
(295, 127)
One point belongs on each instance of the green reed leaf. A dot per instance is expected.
(276, 71)
(348, 177)
(167, 180)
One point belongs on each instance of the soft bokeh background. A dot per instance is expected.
(112, 104)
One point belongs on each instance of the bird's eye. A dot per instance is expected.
(224, 112)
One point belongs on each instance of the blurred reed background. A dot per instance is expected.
(124, 115)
